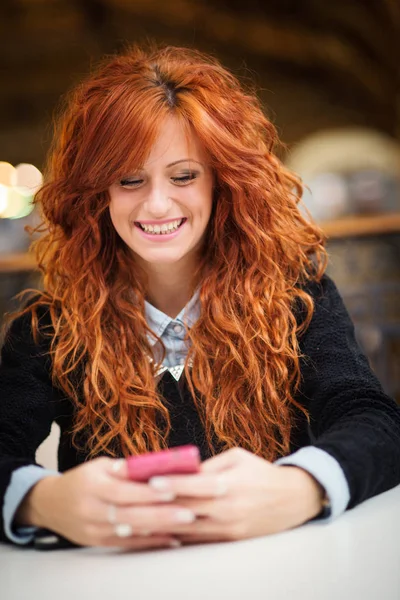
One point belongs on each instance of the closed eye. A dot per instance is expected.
(184, 179)
(181, 180)
(130, 182)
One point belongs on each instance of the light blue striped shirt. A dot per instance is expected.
(317, 462)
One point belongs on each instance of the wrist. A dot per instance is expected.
(310, 495)
(34, 509)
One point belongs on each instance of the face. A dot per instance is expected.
(161, 211)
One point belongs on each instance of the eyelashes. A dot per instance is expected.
(130, 182)
(184, 178)
(180, 180)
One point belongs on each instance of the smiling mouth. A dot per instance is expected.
(161, 229)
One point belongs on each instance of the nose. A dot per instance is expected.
(157, 203)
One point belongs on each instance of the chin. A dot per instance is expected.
(162, 258)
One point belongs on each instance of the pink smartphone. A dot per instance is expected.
(174, 461)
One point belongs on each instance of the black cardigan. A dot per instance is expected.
(351, 417)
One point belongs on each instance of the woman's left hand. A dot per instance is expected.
(238, 495)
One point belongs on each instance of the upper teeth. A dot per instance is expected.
(166, 227)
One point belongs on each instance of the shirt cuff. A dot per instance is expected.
(327, 471)
(22, 480)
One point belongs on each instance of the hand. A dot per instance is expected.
(77, 506)
(239, 495)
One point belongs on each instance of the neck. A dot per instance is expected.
(169, 288)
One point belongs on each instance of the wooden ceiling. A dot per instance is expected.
(346, 52)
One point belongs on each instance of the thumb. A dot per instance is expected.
(118, 468)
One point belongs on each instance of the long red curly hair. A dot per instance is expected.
(258, 253)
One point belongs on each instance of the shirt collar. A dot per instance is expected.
(159, 321)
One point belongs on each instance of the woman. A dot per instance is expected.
(184, 301)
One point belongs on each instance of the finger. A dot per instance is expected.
(218, 509)
(205, 538)
(148, 529)
(196, 486)
(101, 513)
(129, 492)
(118, 468)
(106, 534)
(149, 518)
(203, 527)
(142, 543)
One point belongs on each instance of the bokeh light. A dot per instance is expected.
(3, 197)
(18, 185)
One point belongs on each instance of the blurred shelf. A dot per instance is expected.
(346, 227)
(13, 263)
(362, 225)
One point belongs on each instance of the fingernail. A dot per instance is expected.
(184, 516)
(166, 496)
(117, 465)
(159, 483)
(175, 543)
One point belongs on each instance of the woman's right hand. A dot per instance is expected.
(79, 505)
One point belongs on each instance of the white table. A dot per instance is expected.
(356, 557)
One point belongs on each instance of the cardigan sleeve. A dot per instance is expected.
(27, 402)
(351, 417)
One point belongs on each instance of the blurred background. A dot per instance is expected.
(328, 75)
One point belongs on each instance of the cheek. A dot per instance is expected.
(207, 204)
(202, 201)
(119, 211)
(119, 220)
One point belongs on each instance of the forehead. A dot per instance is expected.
(175, 142)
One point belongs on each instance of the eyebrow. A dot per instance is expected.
(184, 160)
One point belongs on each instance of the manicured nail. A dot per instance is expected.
(117, 465)
(166, 496)
(175, 544)
(159, 484)
(184, 516)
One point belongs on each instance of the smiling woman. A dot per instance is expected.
(184, 302)
(170, 200)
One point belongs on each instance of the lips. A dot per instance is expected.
(159, 237)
